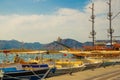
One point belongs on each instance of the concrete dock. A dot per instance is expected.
(108, 73)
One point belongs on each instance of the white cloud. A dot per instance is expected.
(66, 23)
(100, 7)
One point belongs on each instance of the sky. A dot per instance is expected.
(45, 20)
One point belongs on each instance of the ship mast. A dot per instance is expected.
(110, 18)
(110, 30)
(93, 33)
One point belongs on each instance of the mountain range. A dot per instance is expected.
(68, 43)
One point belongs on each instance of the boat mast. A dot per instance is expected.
(110, 30)
(93, 33)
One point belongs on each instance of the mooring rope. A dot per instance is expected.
(38, 75)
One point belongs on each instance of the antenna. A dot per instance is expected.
(93, 33)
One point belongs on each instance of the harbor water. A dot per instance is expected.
(26, 57)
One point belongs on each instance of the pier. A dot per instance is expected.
(108, 73)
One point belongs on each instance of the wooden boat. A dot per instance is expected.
(59, 66)
(105, 57)
(21, 69)
(67, 67)
(16, 72)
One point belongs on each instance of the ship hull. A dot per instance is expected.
(25, 75)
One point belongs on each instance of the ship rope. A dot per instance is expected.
(38, 75)
(46, 74)
(35, 74)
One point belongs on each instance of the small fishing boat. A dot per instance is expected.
(14, 71)
(20, 69)
(97, 58)
(65, 65)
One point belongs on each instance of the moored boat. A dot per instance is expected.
(20, 69)
(16, 72)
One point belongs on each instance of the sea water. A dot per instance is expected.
(26, 57)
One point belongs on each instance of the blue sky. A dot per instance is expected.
(45, 20)
(38, 6)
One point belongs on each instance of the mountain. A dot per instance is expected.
(9, 44)
(14, 44)
(34, 46)
(64, 43)
(87, 43)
